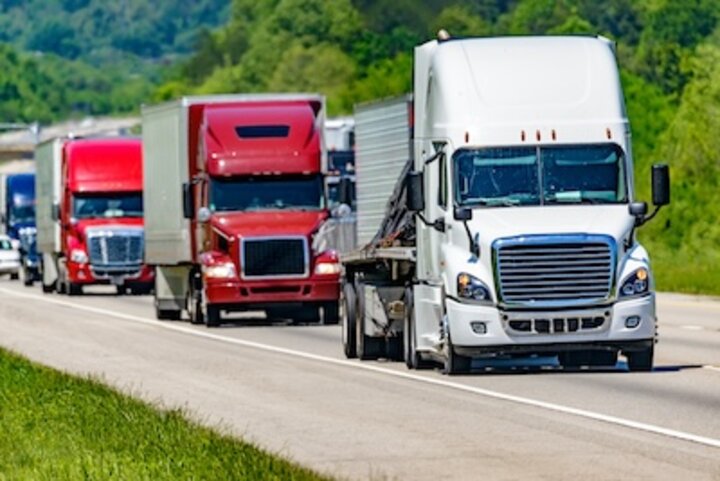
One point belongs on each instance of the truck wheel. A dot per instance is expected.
(395, 348)
(410, 354)
(73, 289)
(349, 303)
(368, 347)
(193, 303)
(640, 361)
(331, 313)
(455, 363)
(28, 278)
(14, 276)
(48, 288)
(167, 314)
(212, 316)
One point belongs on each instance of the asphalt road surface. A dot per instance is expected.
(290, 390)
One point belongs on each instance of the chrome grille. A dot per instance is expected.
(274, 257)
(554, 271)
(115, 247)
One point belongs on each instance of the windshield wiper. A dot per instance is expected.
(576, 200)
(495, 202)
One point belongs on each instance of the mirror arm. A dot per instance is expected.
(648, 218)
(474, 247)
(433, 157)
(438, 225)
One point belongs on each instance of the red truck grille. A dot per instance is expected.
(274, 257)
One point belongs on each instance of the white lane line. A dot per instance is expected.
(692, 328)
(650, 428)
(712, 368)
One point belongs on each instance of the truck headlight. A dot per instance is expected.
(327, 268)
(79, 256)
(473, 289)
(220, 271)
(636, 284)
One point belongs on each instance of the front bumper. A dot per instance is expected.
(501, 338)
(247, 294)
(86, 274)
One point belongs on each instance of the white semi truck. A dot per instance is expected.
(497, 214)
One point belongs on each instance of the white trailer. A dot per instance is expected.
(502, 223)
(48, 159)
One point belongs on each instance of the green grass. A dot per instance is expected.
(679, 274)
(57, 427)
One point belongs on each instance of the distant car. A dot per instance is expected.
(9, 258)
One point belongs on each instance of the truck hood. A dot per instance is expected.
(496, 223)
(269, 223)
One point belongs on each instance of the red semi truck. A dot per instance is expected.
(90, 214)
(234, 199)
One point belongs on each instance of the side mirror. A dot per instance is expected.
(55, 213)
(188, 201)
(639, 211)
(415, 199)
(462, 214)
(660, 184)
(345, 191)
(203, 215)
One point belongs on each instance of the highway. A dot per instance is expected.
(290, 390)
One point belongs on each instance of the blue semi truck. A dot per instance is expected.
(17, 220)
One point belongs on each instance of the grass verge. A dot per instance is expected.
(58, 427)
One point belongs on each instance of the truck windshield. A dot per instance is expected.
(22, 214)
(575, 174)
(266, 193)
(88, 206)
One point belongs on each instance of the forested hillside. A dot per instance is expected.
(669, 54)
(80, 57)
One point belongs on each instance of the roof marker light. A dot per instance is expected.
(537, 135)
(553, 134)
(467, 137)
(522, 135)
(608, 132)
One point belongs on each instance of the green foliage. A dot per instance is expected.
(57, 427)
(83, 28)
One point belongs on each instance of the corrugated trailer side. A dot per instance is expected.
(383, 139)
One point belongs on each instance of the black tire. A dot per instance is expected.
(368, 347)
(394, 348)
(28, 278)
(212, 316)
(74, 289)
(14, 276)
(454, 362)
(48, 288)
(640, 361)
(412, 358)
(167, 314)
(349, 340)
(193, 303)
(331, 313)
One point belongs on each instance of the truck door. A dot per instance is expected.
(436, 201)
